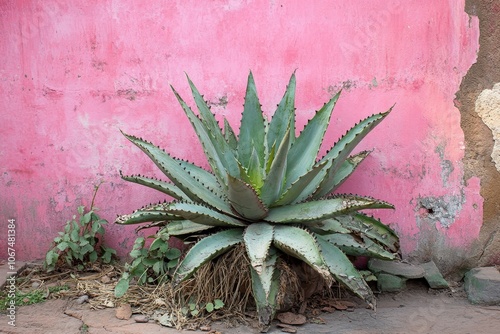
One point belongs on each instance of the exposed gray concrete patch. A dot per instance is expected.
(488, 108)
(441, 209)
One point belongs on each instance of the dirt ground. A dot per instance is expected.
(416, 310)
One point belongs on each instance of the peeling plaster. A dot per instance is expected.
(488, 108)
(443, 209)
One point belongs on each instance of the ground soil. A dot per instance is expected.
(415, 310)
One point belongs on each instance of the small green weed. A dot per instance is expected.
(30, 297)
(84, 329)
(79, 244)
(193, 309)
(151, 265)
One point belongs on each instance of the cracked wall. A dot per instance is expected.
(488, 108)
(477, 100)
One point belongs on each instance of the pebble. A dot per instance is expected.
(105, 279)
(124, 312)
(141, 318)
(82, 299)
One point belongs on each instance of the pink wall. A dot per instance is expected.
(74, 73)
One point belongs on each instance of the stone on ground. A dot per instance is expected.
(396, 268)
(483, 286)
(433, 276)
(390, 283)
(124, 312)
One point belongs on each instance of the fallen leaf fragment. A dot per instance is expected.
(328, 309)
(292, 318)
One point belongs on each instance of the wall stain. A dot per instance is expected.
(446, 165)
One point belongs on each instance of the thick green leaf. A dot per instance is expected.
(343, 271)
(341, 150)
(347, 168)
(265, 287)
(219, 155)
(207, 179)
(284, 117)
(201, 214)
(322, 209)
(122, 285)
(143, 216)
(207, 116)
(255, 171)
(164, 187)
(371, 227)
(270, 158)
(353, 246)
(205, 250)
(258, 238)
(184, 227)
(301, 244)
(224, 149)
(303, 187)
(229, 135)
(245, 200)
(252, 128)
(273, 184)
(304, 150)
(328, 226)
(177, 173)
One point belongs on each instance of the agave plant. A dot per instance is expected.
(268, 190)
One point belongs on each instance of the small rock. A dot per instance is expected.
(124, 312)
(292, 318)
(141, 318)
(105, 279)
(396, 268)
(328, 309)
(390, 283)
(433, 276)
(82, 299)
(483, 286)
(35, 285)
(205, 328)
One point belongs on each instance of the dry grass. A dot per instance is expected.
(227, 278)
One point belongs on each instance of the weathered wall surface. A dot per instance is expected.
(488, 109)
(74, 74)
(478, 101)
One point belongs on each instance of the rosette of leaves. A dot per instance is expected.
(268, 190)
